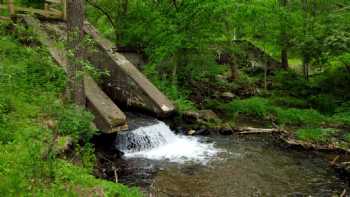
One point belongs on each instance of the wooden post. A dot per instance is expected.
(64, 11)
(11, 7)
(46, 9)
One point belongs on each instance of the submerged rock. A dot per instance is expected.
(191, 132)
(202, 131)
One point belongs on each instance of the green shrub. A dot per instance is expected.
(342, 118)
(176, 93)
(76, 122)
(301, 117)
(315, 134)
(255, 106)
(323, 103)
(288, 101)
(347, 137)
(262, 108)
(291, 83)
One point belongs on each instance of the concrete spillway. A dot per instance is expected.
(125, 85)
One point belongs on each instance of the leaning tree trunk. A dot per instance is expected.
(75, 36)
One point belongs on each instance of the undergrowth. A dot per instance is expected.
(315, 134)
(263, 108)
(30, 89)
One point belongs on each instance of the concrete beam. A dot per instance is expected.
(108, 117)
(126, 84)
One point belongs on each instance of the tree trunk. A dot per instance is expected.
(75, 36)
(306, 70)
(234, 71)
(284, 57)
(305, 53)
(284, 38)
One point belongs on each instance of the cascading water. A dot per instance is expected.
(158, 142)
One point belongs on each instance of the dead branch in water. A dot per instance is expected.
(343, 193)
(115, 174)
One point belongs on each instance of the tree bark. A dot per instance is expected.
(75, 36)
(305, 53)
(284, 38)
(234, 71)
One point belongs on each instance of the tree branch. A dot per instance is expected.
(111, 21)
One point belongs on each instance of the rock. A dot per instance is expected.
(202, 131)
(51, 124)
(191, 116)
(180, 130)
(191, 132)
(220, 77)
(226, 129)
(208, 115)
(228, 96)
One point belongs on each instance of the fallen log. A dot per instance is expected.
(252, 130)
(312, 146)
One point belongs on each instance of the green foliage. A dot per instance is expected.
(30, 89)
(76, 122)
(262, 108)
(255, 106)
(177, 94)
(300, 117)
(342, 118)
(290, 82)
(318, 135)
(347, 137)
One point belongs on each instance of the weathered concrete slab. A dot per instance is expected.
(126, 84)
(108, 117)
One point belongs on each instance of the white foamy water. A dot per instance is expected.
(158, 142)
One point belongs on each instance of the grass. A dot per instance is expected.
(30, 89)
(263, 108)
(315, 135)
(308, 121)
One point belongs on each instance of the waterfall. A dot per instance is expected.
(158, 142)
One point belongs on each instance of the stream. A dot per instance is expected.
(220, 166)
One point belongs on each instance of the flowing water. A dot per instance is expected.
(165, 164)
(158, 142)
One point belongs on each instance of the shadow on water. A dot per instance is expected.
(247, 166)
